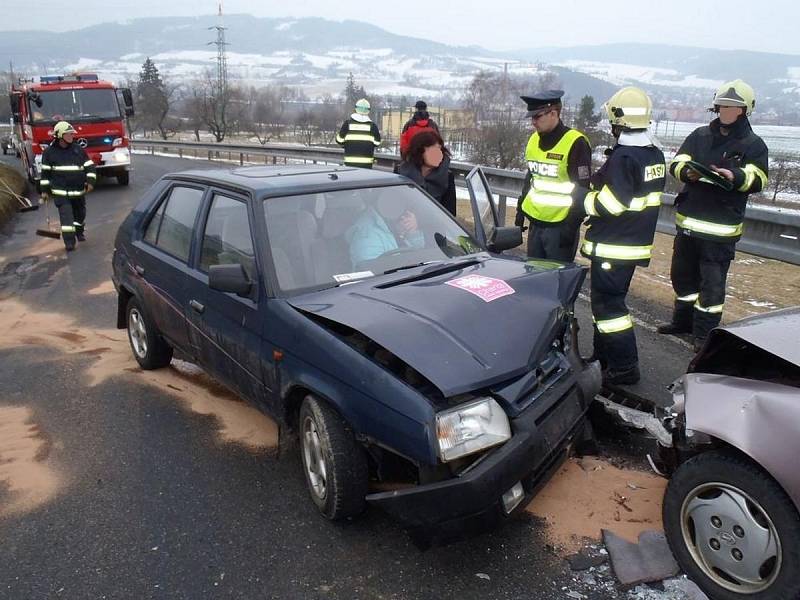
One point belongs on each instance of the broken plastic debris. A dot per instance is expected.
(483, 576)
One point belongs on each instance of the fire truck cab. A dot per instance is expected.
(96, 109)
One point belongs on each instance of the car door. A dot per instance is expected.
(484, 210)
(226, 327)
(161, 259)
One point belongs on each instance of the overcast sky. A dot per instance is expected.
(768, 25)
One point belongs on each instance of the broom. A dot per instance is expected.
(25, 204)
(48, 233)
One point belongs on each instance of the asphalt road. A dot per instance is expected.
(151, 502)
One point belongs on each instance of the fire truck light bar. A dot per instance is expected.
(67, 78)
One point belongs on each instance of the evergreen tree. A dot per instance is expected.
(352, 93)
(152, 99)
(586, 119)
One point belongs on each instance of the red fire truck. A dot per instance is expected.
(96, 109)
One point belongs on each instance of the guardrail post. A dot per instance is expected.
(241, 158)
(180, 152)
(209, 155)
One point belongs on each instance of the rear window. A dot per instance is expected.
(170, 229)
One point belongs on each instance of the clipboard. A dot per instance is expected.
(709, 176)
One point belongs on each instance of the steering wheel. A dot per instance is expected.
(397, 252)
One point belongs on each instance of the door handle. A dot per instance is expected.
(138, 269)
(199, 308)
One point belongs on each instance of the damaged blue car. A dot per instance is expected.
(420, 369)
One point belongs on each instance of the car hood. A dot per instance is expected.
(463, 329)
(775, 332)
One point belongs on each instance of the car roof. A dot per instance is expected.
(290, 179)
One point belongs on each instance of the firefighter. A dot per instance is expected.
(708, 217)
(67, 175)
(559, 163)
(359, 136)
(623, 209)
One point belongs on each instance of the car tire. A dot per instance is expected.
(334, 464)
(714, 504)
(149, 349)
(124, 178)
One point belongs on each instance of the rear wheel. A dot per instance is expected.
(124, 178)
(334, 464)
(150, 350)
(733, 529)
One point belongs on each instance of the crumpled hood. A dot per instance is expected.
(464, 329)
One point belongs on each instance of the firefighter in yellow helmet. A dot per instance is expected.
(559, 163)
(623, 210)
(359, 136)
(67, 175)
(720, 165)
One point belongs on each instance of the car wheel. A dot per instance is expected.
(149, 348)
(733, 529)
(124, 178)
(334, 464)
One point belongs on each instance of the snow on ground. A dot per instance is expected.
(622, 74)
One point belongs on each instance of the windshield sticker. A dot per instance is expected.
(485, 288)
(345, 277)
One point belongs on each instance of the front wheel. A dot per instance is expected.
(334, 464)
(150, 350)
(733, 529)
(124, 178)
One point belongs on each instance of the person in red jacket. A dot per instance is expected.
(421, 121)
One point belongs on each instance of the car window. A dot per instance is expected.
(331, 238)
(227, 238)
(170, 229)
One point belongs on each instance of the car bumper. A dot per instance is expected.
(542, 436)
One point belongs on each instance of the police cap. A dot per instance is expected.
(543, 101)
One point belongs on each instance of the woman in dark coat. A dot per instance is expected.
(427, 163)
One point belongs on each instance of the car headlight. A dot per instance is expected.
(470, 428)
(116, 142)
(121, 156)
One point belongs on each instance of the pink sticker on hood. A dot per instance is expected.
(485, 288)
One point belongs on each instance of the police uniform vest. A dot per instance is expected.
(705, 210)
(549, 198)
(359, 138)
(623, 206)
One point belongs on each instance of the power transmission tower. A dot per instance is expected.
(221, 86)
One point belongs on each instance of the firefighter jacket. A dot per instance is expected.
(623, 205)
(559, 163)
(66, 171)
(359, 136)
(709, 211)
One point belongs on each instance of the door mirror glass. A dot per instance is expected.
(229, 278)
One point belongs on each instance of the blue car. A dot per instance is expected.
(420, 369)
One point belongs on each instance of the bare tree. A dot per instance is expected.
(500, 143)
(783, 177)
(264, 116)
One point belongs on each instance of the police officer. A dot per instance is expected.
(623, 209)
(68, 175)
(359, 136)
(559, 164)
(709, 217)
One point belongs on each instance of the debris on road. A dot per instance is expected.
(110, 356)
(647, 561)
(483, 576)
(28, 479)
(590, 494)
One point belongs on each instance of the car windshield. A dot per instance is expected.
(333, 238)
(75, 106)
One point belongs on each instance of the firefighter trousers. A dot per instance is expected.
(614, 338)
(559, 242)
(699, 272)
(72, 214)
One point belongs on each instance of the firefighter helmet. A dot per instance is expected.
(61, 128)
(362, 106)
(735, 93)
(629, 108)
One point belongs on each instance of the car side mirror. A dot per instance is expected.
(229, 278)
(127, 98)
(505, 238)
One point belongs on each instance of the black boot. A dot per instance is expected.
(673, 328)
(627, 376)
(80, 236)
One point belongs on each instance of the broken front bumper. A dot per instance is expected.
(472, 501)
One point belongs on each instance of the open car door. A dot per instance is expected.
(489, 232)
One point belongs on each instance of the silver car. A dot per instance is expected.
(732, 446)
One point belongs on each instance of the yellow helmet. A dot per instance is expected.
(61, 128)
(736, 93)
(630, 108)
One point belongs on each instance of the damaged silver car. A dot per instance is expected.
(730, 442)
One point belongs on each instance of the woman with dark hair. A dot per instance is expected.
(427, 163)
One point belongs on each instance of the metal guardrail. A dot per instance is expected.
(767, 233)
